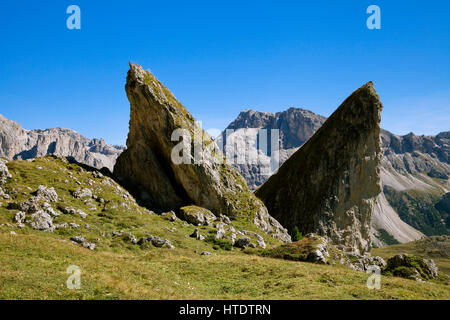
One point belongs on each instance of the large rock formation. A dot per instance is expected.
(17, 143)
(414, 172)
(149, 169)
(330, 184)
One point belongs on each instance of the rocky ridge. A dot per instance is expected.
(17, 143)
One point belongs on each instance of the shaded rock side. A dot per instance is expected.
(146, 167)
(329, 186)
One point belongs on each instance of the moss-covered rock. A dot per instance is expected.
(411, 267)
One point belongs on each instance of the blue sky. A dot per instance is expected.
(219, 57)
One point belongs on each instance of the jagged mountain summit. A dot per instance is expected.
(148, 166)
(330, 184)
(17, 143)
(295, 126)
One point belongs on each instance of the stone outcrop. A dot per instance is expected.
(4, 172)
(330, 184)
(419, 164)
(411, 267)
(147, 166)
(17, 143)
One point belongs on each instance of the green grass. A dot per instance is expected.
(33, 263)
(436, 248)
(33, 266)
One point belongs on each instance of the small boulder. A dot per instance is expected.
(196, 234)
(85, 244)
(29, 206)
(171, 216)
(19, 217)
(156, 241)
(223, 218)
(4, 173)
(220, 233)
(243, 242)
(411, 267)
(44, 193)
(42, 221)
(82, 193)
(197, 215)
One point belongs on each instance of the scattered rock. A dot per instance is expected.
(82, 193)
(29, 206)
(72, 210)
(42, 221)
(78, 239)
(126, 236)
(197, 215)
(19, 217)
(156, 241)
(97, 174)
(196, 234)
(206, 253)
(362, 263)
(4, 195)
(220, 233)
(243, 242)
(83, 242)
(171, 216)
(260, 240)
(411, 267)
(4, 173)
(44, 193)
(224, 219)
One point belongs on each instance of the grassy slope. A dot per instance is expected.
(436, 248)
(33, 263)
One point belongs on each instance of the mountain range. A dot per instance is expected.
(17, 143)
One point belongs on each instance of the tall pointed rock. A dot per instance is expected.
(329, 186)
(148, 169)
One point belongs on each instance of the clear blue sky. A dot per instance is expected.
(219, 57)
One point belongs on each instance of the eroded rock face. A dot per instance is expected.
(147, 167)
(330, 184)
